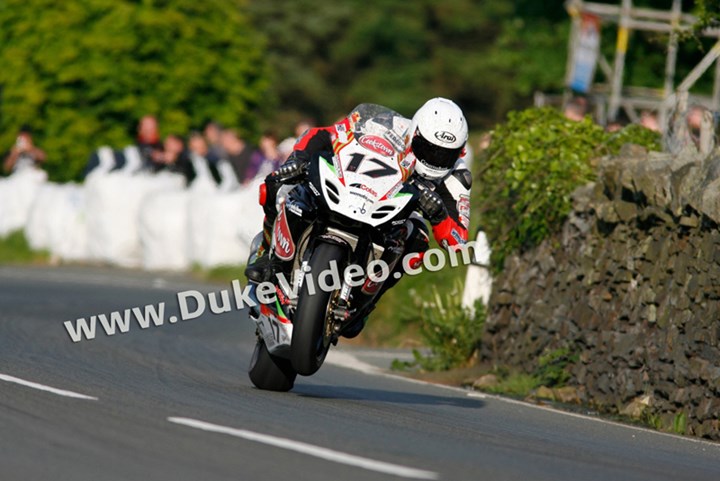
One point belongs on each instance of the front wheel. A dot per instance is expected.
(312, 322)
(269, 372)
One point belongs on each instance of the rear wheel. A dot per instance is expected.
(270, 372)
(312, 322)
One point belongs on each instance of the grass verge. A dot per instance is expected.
(14, 249)
(222, 274)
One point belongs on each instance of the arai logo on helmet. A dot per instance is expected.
(446, 137)
(377, 144)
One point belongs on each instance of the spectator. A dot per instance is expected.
(286, 146)
(24, 153)
(613, 127)
(199, 152)
(213, 136)
(148, 141)
(649, 120)
(265, 159)
(576, 109)
(694, 120)
(174, 158)
(197, 145)
(484, 142)
(237, 153)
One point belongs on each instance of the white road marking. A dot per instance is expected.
(310, 450)
(42, 387)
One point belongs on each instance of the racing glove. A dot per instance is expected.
(432, 206)
(294, 167)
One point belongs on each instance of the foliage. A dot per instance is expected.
(526, 176)
(223, 274)
(484, 55)
(708, 13)
(630, 134)
(81, 73)
(14, 249)
(651, 419)
(552, 367)
(679, 425)
(451, 331)
(515, 384)
(395, 320)
(550, 371)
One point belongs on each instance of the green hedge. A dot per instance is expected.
(535, 160)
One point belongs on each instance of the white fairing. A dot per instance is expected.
(277, 334)
(372, 201)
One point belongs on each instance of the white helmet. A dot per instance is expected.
(438, 134)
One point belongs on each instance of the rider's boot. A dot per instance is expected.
(259, 263)
(356, 326)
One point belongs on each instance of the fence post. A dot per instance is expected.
(478, 280)
(707, 133)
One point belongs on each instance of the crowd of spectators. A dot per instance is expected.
(213, 146)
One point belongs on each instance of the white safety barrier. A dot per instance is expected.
(165, 232)
(132, 218)
(17, 193)
(222, 226)
(57, 221)
(37, 228)
(114, 202)
(68, 229)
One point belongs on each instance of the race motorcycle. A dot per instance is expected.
(347, 222)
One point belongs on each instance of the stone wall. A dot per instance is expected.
(632, 287)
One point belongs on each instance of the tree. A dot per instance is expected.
(82, 72)
(299, 35)
(488, 56)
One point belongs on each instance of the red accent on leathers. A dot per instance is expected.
(450, 232)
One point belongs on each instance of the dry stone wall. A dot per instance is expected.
(632, 287)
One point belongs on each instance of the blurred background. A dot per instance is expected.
(81, 73)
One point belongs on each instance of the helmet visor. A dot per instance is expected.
(434, 155)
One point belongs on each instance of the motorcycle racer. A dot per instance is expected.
(434, 157)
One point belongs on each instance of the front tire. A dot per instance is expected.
(311, 333)
(269, 372)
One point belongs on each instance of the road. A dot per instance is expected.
(174, 402)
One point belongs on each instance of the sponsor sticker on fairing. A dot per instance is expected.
(282, 239)
(294, 208)
(365, 188)
(377, 145)
(395, 140)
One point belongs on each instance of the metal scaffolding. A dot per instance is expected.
(612, 96)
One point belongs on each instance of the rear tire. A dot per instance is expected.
(271, 373)
(310, 343)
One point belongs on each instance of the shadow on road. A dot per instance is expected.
(381, 395)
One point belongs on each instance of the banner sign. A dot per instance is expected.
(585, 54)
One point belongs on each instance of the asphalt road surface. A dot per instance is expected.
(174, 402)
